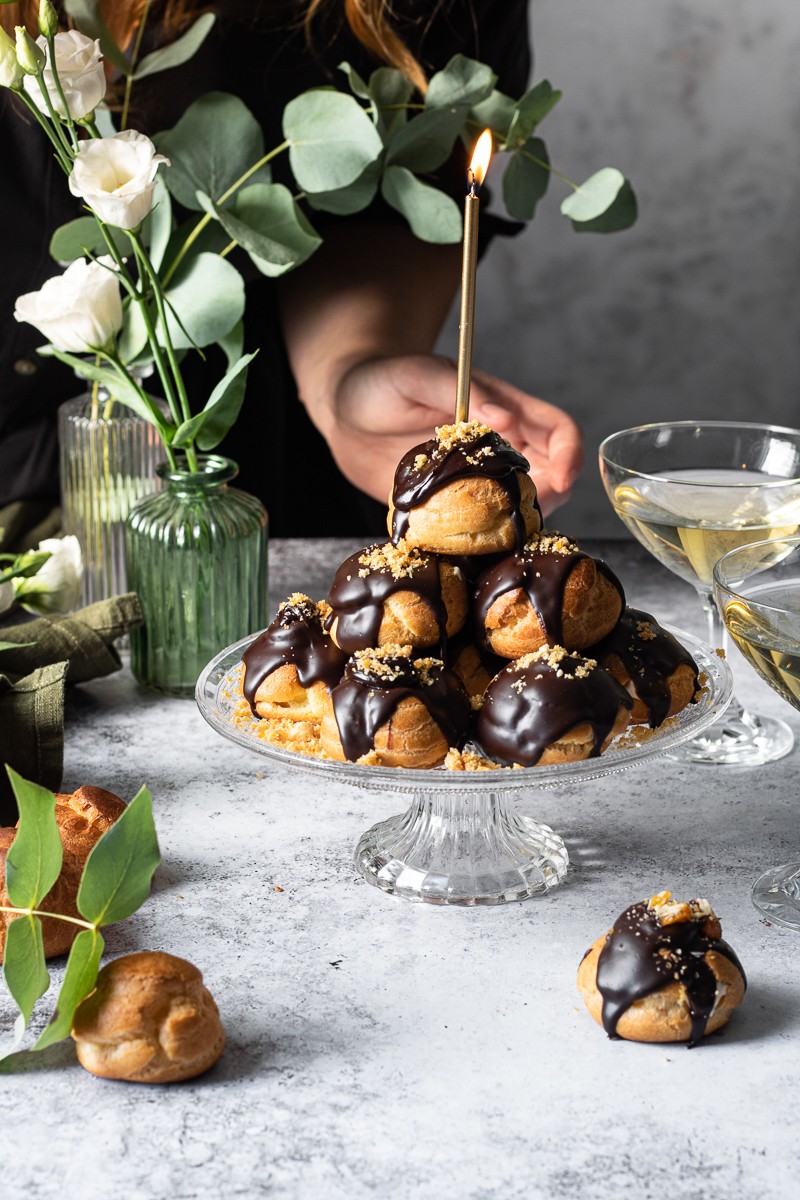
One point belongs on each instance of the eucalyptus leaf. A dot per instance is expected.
(525, 181)
(132, 338)
(24, 969)
(433, 216)
(213, 144)
(179, 51)
(210, 426)
(530, 109)
(605, 203)
(158, 227)
(123, 390)
(232, 343)
(79, 980)
(195, 320)
(426, 141)
(76, 238)
(331, 140)
(496, 112)
(351, 199)
(267, 222)
(357, 85)
(463, 82)
(86, 16)
(34, 857)
(389, 90)
(119, 870)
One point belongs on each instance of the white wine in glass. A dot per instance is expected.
(691, 491)
(757, 588)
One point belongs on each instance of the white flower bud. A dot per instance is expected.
(78, 311)
(29, 55)
(56, 586)
(10, 71)
(116, 177)
(80, 72)
(48, 19)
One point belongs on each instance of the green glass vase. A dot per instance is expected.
(197, 557)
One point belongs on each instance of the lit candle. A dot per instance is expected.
(475, 177)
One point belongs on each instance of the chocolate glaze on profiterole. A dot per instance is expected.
(647, 950)
(427, 468)
(650, 655)
(360, 590)
(374, 683)
(541, 570)
(295, 637)
(539, 698)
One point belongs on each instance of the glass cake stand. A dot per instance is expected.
(461, 841)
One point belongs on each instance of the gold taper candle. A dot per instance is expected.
(469, 262)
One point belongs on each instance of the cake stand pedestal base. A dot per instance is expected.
(776, 895)
(462, 848)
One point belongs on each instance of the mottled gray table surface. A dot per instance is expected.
(377, 1047)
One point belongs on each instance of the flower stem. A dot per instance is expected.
(131, 66)
(63, 161)
(206, 218)
(38, 912)
(54, 117)
(68, 121)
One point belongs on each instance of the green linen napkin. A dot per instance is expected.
(72, 648)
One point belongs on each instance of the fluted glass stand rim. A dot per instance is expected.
(776, 895)
(524, 857)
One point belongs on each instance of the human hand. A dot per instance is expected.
(384, 406)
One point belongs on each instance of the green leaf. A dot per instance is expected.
(267, 222)
(331, 140)
(232, 343)
(530, 109)
(189, 294)
(119, 870)
(605, 203)
(426, 141)
(24, 970)
(34, 857)
(122, 390)
(14, 645)
(526, 181)
(158, 227)
(216, 140)
(86, 15)
(132, 338)
(209, 427)
(79, 980)
(433, 216)
(353, 198)
(496, 112)
(83, 235)
(179, 51)
(388, 88)
(463, 82)
(357, 85)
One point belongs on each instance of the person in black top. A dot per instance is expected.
(345, 381)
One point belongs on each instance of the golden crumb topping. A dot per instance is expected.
(400, 559)
(299, 607)
(420, 461)
(462, 432)
(563, 662)
(392, 662)
(645, 631)
(468, 760)
(551, 542)
(670, 912)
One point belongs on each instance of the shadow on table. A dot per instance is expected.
(767, 1011)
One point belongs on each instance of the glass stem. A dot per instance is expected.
(718, 640)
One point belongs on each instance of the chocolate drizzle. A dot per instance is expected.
(296, 636)
(642, 956)
(542, 575)
(487, 455)
(365, 700)
(532, 704)
(358, 594)
(650, 660)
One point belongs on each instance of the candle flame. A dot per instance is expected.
(481, 156)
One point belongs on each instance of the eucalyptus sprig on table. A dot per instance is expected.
(115, 883)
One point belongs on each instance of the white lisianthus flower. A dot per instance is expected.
(78, 311)
(116, 177)
(80, 71)
(6, 595)
(11, 72)
(56, 586)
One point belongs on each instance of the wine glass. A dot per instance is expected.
(691, 491)
(757, 588)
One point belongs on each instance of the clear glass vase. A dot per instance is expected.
(197, 557)
(107, 461)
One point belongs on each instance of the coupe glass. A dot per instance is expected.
(691, 491)
(757, 589)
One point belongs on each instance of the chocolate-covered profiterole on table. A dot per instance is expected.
(395, 593)
(551, 592)
(292, 656)
(550, 706)
(395, 708)
(662, 973)
(659, 672)
(466, 491)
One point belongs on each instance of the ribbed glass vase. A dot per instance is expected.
(197, 556)
(107, 461)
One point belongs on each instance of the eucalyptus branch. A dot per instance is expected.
(137, 45)
(547, 166)
(68, 121)
(227, 249)
(207, 218)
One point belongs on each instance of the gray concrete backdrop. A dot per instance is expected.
(694, 312)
